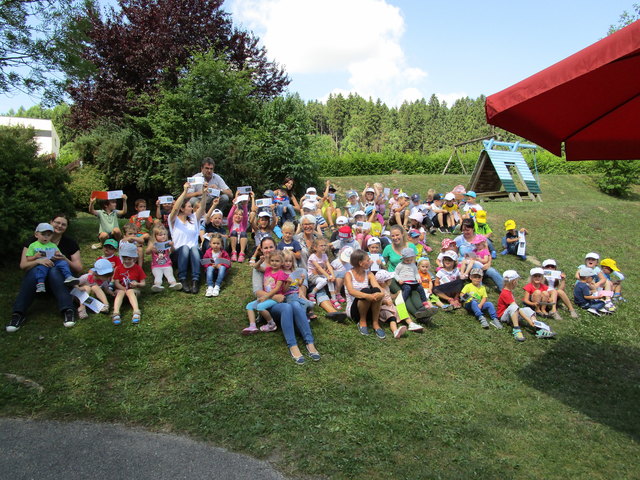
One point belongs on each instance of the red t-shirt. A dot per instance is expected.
(127, 275)
(114, 260)
(504, 300)
(529, 287)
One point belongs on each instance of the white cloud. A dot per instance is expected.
(360, 37)
(450, 98)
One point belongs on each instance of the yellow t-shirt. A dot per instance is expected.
(451, 208)
(476, 293)
(376, 229)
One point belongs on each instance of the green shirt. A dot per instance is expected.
(475, 293)
(108, 221)
(483, 229)
(392, 258)
(36, 247)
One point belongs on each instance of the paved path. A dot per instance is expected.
(81, 450)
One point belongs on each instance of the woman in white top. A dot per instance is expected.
(184, 225)
(364, 295)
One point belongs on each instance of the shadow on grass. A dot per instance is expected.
(600, 380)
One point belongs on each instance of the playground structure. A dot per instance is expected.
(500, 167)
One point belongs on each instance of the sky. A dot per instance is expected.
(403, 50)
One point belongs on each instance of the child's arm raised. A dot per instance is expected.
(123, 212)
(176, 206)
(92, 200)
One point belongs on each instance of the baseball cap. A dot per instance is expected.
(417, 216)
(396, 191)
(509, 225)
(269, 193)
(403, 194)
(459, 189)
(415, 197)
(344, 232)
(342, 220)
(451, 254)
(128, 250)
(592, 255)
(369, 190)
(264, 214)
(510, 275)
(332, 188)
(384, 276)
(352, 193)
(476, 271)
(536, 271)
(471, 193)
(481, 216)
(308, 206)
(368, 210)
(549, 262)
(449, 196)
(586, 272)
(611, 263)
(372, 240)
(408, 252)
(414, 233)
(44, 227)
(345, 254)
(311, 190)
(437, 196)
(103, 266)
(358, 213)
(111, 242)
(217, 212)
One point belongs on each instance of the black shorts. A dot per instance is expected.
(354, 313)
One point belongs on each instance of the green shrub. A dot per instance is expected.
(83, 181)
(31, 191)
(67, 155)
(618, 176)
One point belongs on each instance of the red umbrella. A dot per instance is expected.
(590, 101)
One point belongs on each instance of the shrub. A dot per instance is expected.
(83, 181)
(618, 176)
(31, 191)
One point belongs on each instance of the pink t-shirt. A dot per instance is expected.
(161, 258)
(322, 261)
(272, 277)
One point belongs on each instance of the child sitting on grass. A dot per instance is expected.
(600, 281)
(160, 249)
(558, 285)
(133, 236)
(93, 283)
(275, 282)
(511, 240)
(108, 217)
(238, 221)
(538, 296)
(296, 287)
(586, 295)
(474, 295)
(320, 271)
(44, 247)
(128, 279)
(509, 311)
(447, 285)
(481, 227)
(427, 284)
(388, 311)
(614, 275)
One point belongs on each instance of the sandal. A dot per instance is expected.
(115, 318)
(136, 317)
(241, 258)
(312, 316)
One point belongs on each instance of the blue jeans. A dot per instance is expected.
(188, 256)
(285, 212)
(292, 316)
(55, 285)
(495, 277)
(60, 265)
(266, 305)
(216, 275)
(487, 309)
(407, 288)
(295, 298)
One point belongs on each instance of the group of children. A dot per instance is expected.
(359, 225)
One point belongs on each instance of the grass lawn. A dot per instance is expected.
(454, 402)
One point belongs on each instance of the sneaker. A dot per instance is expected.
(574, 314)
(605, 311)
(158, 288)
(447, 307)
(234, 257)
(504, 252)
(269, 327)
(337, 316)
(414, 327)
(522, 257)
(250, 330)
(209, 292)
(518, 335)
(483, 322)
(443, 230)
(69, 318)
(312, 297)
(496, 323)
(71, 281)
(17, 320)
(400, 331)
(556, 316)
(340, 298)
(610, 307)
(40, 288)
(494, 254)
(594, 312)
(363, 330)
(96, 246)
(541, 333)
(380, 334)
(104, 309)
(336, 304)
(176, 286)
(216, 291)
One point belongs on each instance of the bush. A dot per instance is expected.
(32, 191)
(83, 181)
(618, 176)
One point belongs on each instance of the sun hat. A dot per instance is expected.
(476, 271)
(536, 271)
(586, 272)
(44, 227)
(610, 263)
(372, 240)
(417, 216)
(408, 252)
(509, 225)
(308, 206)
(342, 220)
(345, 254)
(384, 276)
(369, 190)
(102, 266)
(449, 196)
(450, 254)
(311, 190)
(549, 262)
(481, 216)
(446, 242)
(111, 242)
(510, 275)
(128, 250)
(478, 239)
(592, 255)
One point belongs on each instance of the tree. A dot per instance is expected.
(626, 18)
(147, 44)
(35, 43)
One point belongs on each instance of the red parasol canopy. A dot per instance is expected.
(590, 101)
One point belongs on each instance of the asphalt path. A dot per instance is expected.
(81, 450)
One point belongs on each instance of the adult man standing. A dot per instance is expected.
(214, 181)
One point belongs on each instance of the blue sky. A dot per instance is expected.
(400, 50)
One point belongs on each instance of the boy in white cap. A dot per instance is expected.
(586, 295)
(43, 247)
(509, 311)
(558, 284)
(600, 281)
